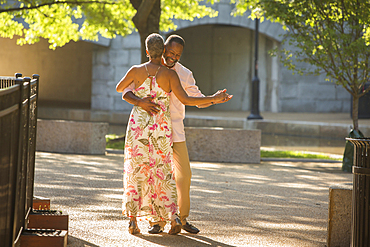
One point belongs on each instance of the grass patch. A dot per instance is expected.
(115, 141)
(295, 154)
(118, 142)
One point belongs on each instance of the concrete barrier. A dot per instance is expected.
(71, 137)
(223, 145)
(340, 211)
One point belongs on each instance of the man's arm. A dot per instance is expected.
(193, 90)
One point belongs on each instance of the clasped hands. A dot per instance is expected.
(224, 97)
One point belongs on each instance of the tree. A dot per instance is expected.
(61, 21)
(332, 35)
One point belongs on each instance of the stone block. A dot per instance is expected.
(303, 129)
(310, 89)
(135, 57)
(339, 130)
(103, 72)
(102, 57)
(329, 105)
(99, 87)
(268, 127)
(119, 58)
(132, 41)
(121, 105)
(290, 91)
(71, 137)
(223, 145)
(297, 105)
(117, 118)
(116, 43)
(104, 103)
(340, 211)
(224, 10)
(100, 116)
(79, 114)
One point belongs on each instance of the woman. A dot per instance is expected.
(149, 185)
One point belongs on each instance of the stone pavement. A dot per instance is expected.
(275, 203)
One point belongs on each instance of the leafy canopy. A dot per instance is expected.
(60, 21)
(333, 36)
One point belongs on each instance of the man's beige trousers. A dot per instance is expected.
(183, 179)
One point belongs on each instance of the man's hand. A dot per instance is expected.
(147, 104)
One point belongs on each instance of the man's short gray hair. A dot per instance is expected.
(155, 45)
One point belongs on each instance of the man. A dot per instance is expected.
(174, 46)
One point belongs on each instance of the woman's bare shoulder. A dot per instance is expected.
(168, 72)
(135, 69)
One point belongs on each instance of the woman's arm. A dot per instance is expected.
(192, 101)
(126, 80)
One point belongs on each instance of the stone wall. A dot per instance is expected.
(220, 52)
(310, 93)
(110, 65)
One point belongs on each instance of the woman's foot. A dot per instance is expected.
(175, 226)
(133, 228)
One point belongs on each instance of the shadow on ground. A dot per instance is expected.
(267, 204)
(76, 242)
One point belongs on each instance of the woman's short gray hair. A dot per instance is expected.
(155, 45)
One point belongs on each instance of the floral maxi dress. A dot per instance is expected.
(149, 185)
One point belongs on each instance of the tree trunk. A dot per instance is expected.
(355, 111)
(146, 20)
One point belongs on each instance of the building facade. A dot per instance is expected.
(219, 51)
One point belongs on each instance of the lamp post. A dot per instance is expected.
(255, 112)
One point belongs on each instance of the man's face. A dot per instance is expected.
(172, 54)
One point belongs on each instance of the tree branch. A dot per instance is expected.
(52, 3)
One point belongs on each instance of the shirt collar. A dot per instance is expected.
(176, 66)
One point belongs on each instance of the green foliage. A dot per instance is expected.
(61, 21)
(332, 36)
(115, 142)
(186, 10)
(294, 154)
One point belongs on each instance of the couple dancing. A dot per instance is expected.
(156, 166)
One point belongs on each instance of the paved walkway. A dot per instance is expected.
(268, 204)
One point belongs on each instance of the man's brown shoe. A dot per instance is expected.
(190, 228)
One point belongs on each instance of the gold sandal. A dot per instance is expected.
(133, 228)
(175, 227)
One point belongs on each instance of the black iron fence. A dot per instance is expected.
(360, 236)
(18, 120)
